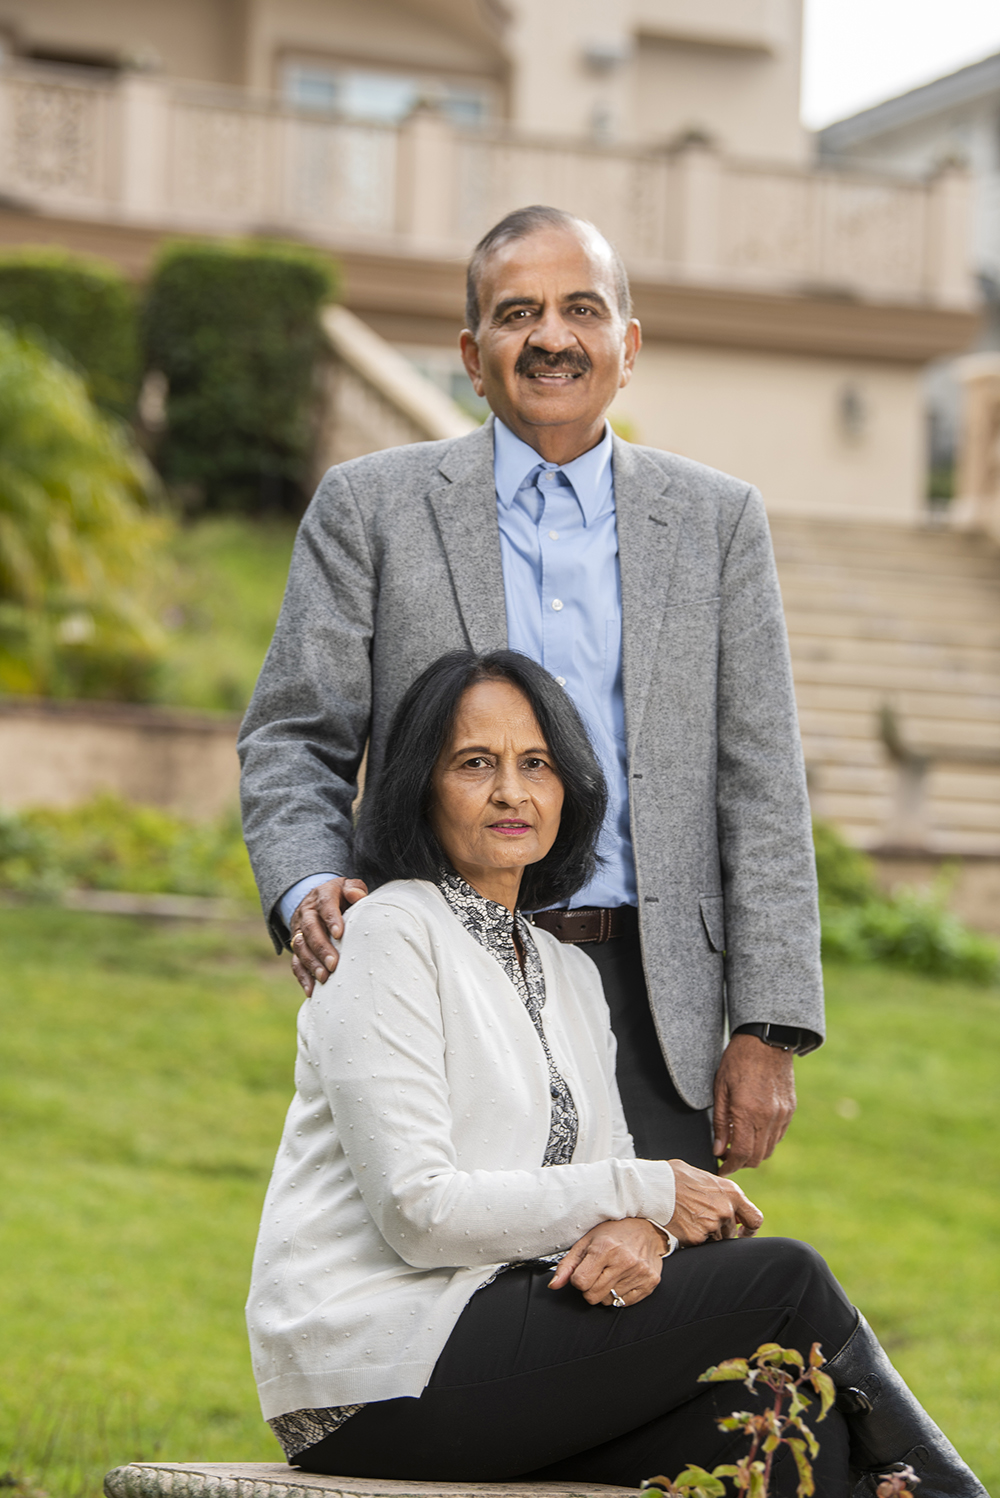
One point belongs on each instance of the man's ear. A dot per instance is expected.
(633, 343)
(470, 358)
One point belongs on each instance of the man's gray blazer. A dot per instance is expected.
(398, 560)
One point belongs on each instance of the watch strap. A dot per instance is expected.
(782, 1037)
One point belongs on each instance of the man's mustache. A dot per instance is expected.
(536, 361)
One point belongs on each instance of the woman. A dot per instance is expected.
(462, 1271)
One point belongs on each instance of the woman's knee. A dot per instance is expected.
(796, 1275)
(795, 1261)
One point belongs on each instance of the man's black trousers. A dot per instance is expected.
(661, 1123)
(537, 1384)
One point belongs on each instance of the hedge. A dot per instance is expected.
(111, 844)
(909, 928)
(78, 541)
(234, 327)
(84, 310)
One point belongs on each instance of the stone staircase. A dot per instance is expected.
(895, 637)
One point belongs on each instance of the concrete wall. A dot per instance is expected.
(59, 754)
(433, 37)
(746, 100)
(626, 70)
(200, 39)
(967, 131)
(649, 70)
(819, 436)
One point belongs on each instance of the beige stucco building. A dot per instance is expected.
(788, 309)
(787, 312)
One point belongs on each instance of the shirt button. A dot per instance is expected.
(557, 604)
(560, 681)
(549, 478)
(553, 535)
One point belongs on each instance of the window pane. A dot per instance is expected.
(378, 96)
(361, 94)
(466, 106)
(312, 87)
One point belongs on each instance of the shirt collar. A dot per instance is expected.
(590, 474)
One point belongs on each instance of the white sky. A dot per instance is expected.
(859, 52)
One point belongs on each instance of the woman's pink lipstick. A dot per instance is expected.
(510, 829)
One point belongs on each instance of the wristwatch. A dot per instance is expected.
(782, 1037)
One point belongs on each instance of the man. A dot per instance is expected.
(646, 584)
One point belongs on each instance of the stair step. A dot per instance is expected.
(910, 617)
(895, 656)
(866, 674)
(954, 605)
(903, 570)
(956, 707)
(840, 624)
(920, 730)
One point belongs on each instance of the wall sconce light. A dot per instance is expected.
(853, 411)
(605, 56)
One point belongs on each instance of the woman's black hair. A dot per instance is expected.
(395, 839)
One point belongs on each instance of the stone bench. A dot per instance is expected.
(275, 1480)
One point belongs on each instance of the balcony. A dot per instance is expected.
(145, 151)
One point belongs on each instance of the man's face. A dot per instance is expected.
(551, 350)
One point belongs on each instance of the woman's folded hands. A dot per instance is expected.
(615, 1258)
(620, 1262)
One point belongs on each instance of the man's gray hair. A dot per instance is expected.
(519, 225)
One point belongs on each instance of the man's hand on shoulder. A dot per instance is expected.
(315, 923)
(754, 1102)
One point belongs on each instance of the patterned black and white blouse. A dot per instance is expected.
(493, 927)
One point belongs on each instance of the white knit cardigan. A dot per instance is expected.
(409, 1168)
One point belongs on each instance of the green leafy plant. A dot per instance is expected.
(910, 928)
(111, 844)
(85, 311)
(235, 329)
(78, 538)
(769, 1429)
(846, 875)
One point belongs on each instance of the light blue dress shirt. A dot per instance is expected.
(562, 587)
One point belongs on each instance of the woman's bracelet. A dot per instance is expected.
(671, 1240)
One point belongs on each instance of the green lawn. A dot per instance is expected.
(145, 1074)
(892, 1170)
(222, 591)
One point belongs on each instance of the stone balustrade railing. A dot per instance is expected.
(374, 398)
(147, 150)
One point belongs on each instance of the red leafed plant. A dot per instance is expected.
(779, 1425)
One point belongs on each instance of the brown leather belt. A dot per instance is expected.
(584, 925)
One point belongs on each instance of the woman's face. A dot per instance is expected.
(496, 798)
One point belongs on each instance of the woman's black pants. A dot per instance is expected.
(537, 1384)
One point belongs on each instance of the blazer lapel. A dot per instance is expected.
(649, 521)
(465, 510)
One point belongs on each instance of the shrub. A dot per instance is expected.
(85, 310)
(77, 541)
(846, 876)
(234, 327)
(109, 844)
(910, 928)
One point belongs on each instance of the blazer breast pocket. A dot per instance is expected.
(713, 918)
(710, 601)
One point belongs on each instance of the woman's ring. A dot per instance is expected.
(616, 1300)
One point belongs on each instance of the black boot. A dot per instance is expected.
(889, 1427)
